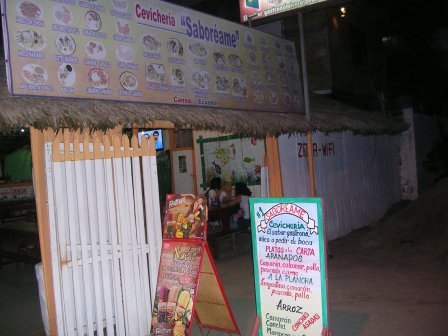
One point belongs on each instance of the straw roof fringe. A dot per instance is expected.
(327, 116)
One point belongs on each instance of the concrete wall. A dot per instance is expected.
(356, 176)
(408, 161)
(415, 145)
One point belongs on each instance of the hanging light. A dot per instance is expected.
(343, 11)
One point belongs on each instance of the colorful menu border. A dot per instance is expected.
(254, 203)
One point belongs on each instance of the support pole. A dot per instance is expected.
(307, 106)
(272, 160)
(40, 192)
(273, 164)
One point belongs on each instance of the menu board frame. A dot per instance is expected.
(145, 51)
(291, 274)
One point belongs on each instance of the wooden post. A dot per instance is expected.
(40, 191)
(193, 160)
(172, 140)
(273, 163)
(307, 106)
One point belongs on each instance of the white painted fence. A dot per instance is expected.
(358, 177)
(105, 233)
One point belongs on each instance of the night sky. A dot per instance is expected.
(416, 50)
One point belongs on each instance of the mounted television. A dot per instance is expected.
(158, 137)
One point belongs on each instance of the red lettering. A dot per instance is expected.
(305, 251)
(300, 321)
(311, 321)
(283, 208)
(154, 15)
(137, 11)
(179, 100)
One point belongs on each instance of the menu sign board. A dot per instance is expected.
(185, 216)
(145, 51)
(290, 266)
(258, 9)
(176, 288)
(186, 259)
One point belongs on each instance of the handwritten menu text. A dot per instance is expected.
(289, 264)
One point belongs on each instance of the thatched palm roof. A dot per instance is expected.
(327, 116)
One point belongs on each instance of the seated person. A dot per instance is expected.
(215, 194)
(242, 194)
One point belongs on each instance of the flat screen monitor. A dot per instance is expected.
(158, 137)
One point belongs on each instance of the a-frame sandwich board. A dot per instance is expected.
(188, 285)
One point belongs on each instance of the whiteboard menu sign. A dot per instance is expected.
(289, 266)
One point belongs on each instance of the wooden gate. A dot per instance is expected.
(105, 232)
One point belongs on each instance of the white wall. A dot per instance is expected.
(357, 177)
(256, 189)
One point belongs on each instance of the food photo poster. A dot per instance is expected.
(135, 50)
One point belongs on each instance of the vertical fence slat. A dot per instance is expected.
(129, 310)
(118, 281)
(155, 205)
(55, 251)
(152, 212)
(61, 215)
(151, 232)
(104, 241)
(132, 243)
(143, 261)
(131, 207)
(80, 178)
(93, 220)
(72, 226)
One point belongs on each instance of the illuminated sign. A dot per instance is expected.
(145, 51)
(258, 9)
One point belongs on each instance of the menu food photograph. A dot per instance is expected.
(136, 50)
(176, 288)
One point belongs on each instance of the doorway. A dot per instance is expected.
(183, 171)
(183, 168)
